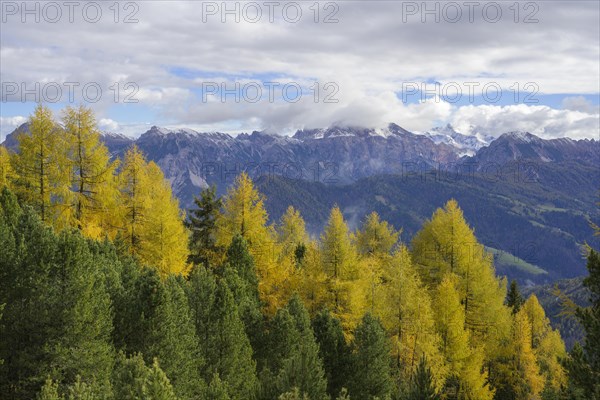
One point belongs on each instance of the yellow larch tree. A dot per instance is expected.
(464, 360)
(376, 236)
(151, 222)
(523, 361)
(406, 313)
(164, 236)
(92, 198)
(41, 166)
(546, 343)
(446, 244)
(341, 267)
(244, 214)
(313, 280)
(135, 188)
(6, 169)
(293, 241)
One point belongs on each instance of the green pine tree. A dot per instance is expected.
(157, 385)
(49, 391)
(202, 224)
(334, 351)
(172, 339)
(57, 319)
(583, 365)
(422, 385)
(217, 390)
(223, 341)
(303, 368)
(371, 361)
(514, 299)
(129, 377)
(239, 272)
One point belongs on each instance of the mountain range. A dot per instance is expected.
(530, 200)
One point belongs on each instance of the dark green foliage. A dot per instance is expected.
(334, 351)
(371, 362)
(421, 385)
(514, 299)
(303, 368)
(239, 273)
(583, 365)
(172, 339)
(133, 380)
(157, 385)
(223, 341)
(49, 391)
(217, 390)
(202, 224)
(156, 322)
(590, 317)
(129, 377)
(57, 320)
(293, 359)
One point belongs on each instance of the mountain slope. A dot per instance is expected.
(541, 225)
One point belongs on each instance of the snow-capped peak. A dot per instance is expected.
(469, 143)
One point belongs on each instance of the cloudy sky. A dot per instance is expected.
(281, 66)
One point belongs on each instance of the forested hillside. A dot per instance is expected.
(109, 291)
(537, 228)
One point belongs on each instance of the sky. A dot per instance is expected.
(277, 66)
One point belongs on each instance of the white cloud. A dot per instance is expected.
(108, 125)
(580, 103)
(9, 124)
(369, 53)
(543, 121)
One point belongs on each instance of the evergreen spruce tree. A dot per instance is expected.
(583, 365)
(129, 377)
(172, 340)
(157, 385)
(202, 222)
(49, 391)
(293, 358)
(80, 390)
(239, 273)
(57, 320)
(217, 390)
(333, 350)
(371, 362)
(223, 341)
(422, 384)
(514, 299)
(303, 368)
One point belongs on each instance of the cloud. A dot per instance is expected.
(9, 124)
(543, 121)
(108, 125)
(579, 103)
(369, 53)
